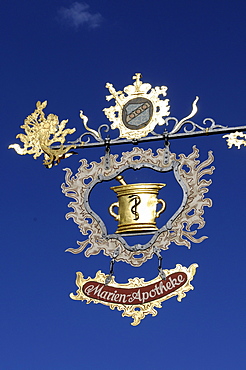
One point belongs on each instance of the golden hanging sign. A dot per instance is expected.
(137, 111)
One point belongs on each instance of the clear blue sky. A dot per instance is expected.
(65, 52)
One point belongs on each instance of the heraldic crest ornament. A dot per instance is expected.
(138, 109)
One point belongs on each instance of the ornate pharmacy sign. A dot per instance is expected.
(139, 209)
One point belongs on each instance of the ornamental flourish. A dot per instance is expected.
(40, 133)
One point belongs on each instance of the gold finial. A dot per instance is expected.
(138, 83)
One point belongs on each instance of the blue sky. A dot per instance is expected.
(65, 52)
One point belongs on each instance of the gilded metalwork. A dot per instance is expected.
(136, 113)
(177, 229)
(185, 120)
(138, 109)
(190, 126)
(190, 129)
(135, 302)
(137, 207)
(232, 139)
(40, 133)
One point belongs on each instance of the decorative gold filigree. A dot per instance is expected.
(180, 232)
(136, 311)
(85, 120)
(232, 139)
(41, 133)
(137, 90)
(186, 119)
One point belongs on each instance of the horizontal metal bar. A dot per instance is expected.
(165, 135)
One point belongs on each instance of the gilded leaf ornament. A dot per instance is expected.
(40, 133)
(232, 139)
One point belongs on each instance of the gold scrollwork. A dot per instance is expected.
(40, 133)
(232, 139)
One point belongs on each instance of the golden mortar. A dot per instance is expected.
(137, 206)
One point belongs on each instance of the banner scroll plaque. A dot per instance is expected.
(137, 298)
(139, 110)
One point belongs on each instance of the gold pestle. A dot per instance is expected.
(121, 180)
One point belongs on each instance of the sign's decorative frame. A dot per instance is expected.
(143, 296)
(178, 227)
